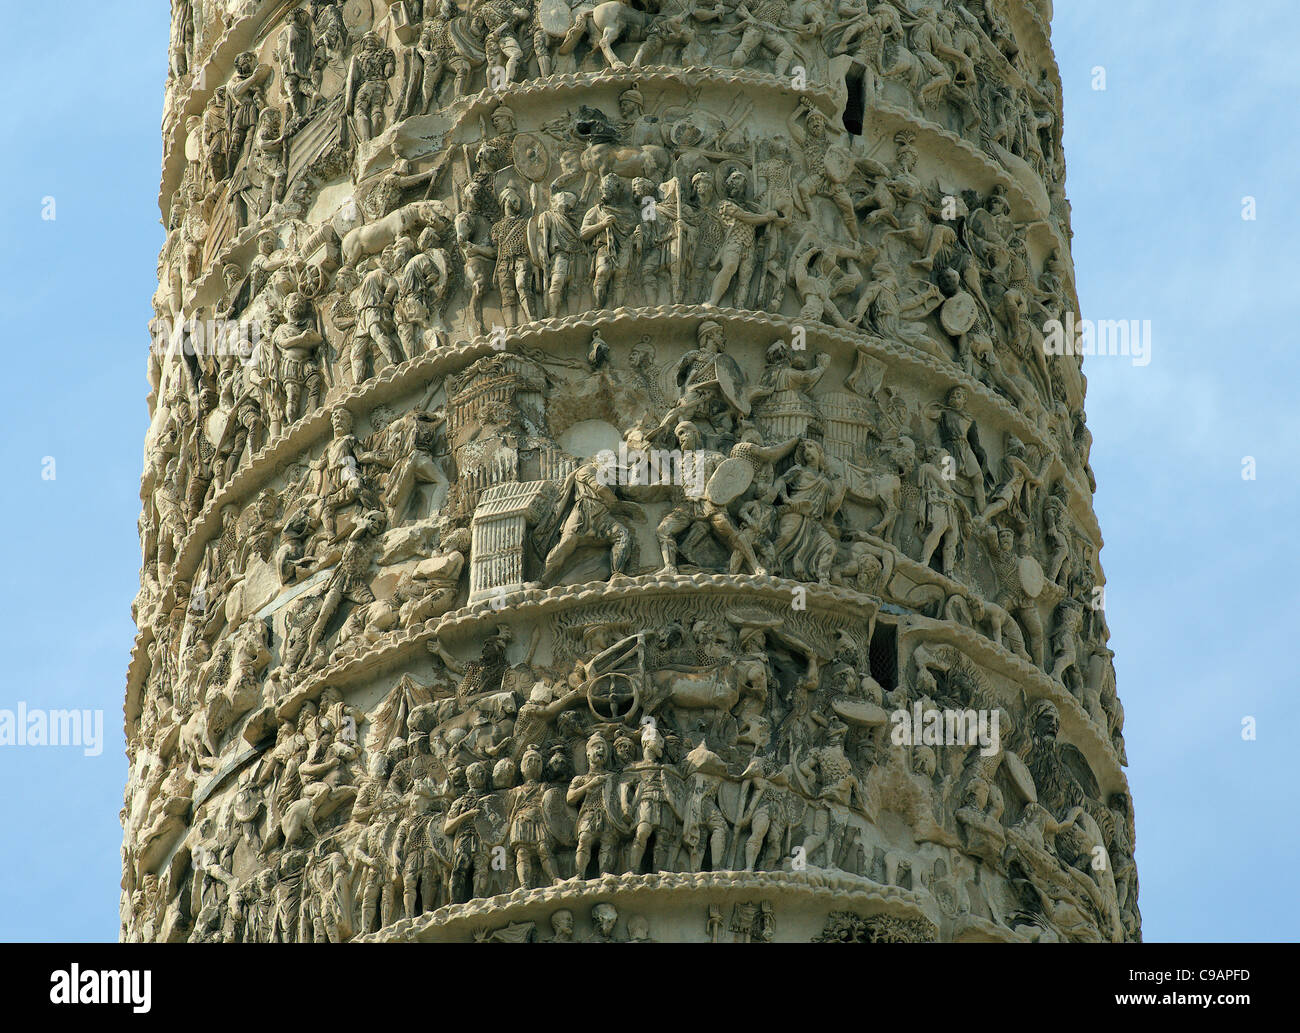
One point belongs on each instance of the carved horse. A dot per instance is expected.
(603, 155)
(373, 237)
(605, 25)
(708, 688)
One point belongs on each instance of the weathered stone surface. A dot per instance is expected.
(606, 481)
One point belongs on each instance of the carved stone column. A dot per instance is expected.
(610, 479)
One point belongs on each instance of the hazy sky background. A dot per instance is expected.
(1198, 113)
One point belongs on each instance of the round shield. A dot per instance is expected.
(728, 374)
(559, 818)
(795, 808)
(958, 314)
(729, 800)
(194, 143)
(692, 129)
(839, 163)
(356, 16)
(614, 794)
(215, 428)
(555, 17)
(860, 712)
(1020, 776)
(1031, 576)
(729, 481)
(531, 158)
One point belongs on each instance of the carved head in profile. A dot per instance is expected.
(749, 433)
(597, 753)
(624, 750)
(307, 715)
(1069, 615)
(503, 773)
(395, 751)
(511, 202)
(270, 122)
(564, 201)
(611, 187)
(949, 282)
(710, 335)
(903, 455)
(631, 103)
(297, 307)
(811, 454)
(1045, 719)
(703, 184)
(503, 120)
(907, 152)
(604, 917)
(562, 924)
(459, 540)
(471, 195)
(559, 766)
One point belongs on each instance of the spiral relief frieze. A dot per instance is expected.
(609, 479)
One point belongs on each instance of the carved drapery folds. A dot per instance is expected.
(589, 444)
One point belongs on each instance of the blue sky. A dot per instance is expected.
(1197, 114)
